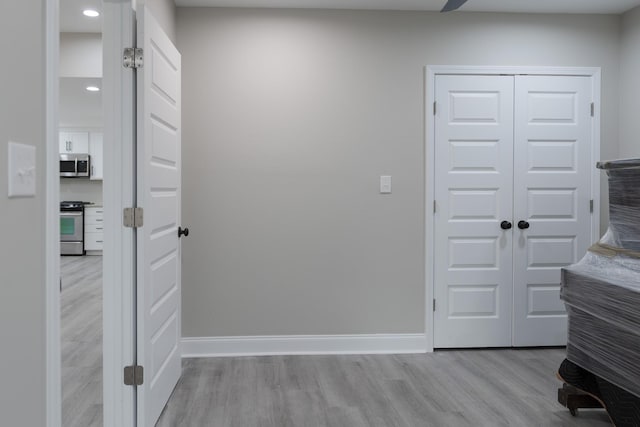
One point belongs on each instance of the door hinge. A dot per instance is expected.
(434, 108)
(591, 205)
(593, 109)
(133, 375)
(133, 57)
(434, 206)
(133, 217)
(434, 304)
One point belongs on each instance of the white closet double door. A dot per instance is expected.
(513, 191)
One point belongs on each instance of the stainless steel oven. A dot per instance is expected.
(72, 228)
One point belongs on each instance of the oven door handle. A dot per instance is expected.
(71, 213)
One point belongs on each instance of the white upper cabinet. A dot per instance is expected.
(85, 142)
(74, 142)
(95, 151)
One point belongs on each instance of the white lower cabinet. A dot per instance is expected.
(93, 228)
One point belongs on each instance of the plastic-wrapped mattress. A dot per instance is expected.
(602, 291)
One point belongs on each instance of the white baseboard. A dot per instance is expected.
(303, 344)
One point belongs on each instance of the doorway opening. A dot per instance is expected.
(81, 141)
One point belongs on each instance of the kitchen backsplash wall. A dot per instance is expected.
(81, 189)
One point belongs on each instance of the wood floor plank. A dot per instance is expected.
(81, 340)
(450, 388)
(472, 388)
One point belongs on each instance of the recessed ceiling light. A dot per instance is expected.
(91, 13)
(93, 88)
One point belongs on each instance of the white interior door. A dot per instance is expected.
(158, 192)
(552, 191)
(474, 186)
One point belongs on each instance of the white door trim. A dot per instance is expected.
(52, 221)
(430, 74)
(118, 193)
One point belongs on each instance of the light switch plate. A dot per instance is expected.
(22, 170)
(385, 184)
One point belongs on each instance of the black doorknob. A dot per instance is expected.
(505, 225)
(523, 225)
(183, 232)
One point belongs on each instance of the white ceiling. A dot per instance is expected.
(518, 6)
(73, 21)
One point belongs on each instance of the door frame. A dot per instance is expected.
(53, 376)
(431, 71)
(118, 191)
(119, 320)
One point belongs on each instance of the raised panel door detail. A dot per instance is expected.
(553, 203)
(163, 72)
(475, 253)
(552, 107)
(164, 207)
(474, 107)
(552, 156)
(474, 156)
(164, 146)
(545, 252)
(163, 272)
(473, 204)
(163, 344)
(544, 301)
(472, 302)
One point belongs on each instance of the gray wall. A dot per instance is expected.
(22, 292)
(630, 85)
(289, 119)
(81, 189)
(80, 55)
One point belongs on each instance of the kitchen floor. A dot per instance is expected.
(81, 329)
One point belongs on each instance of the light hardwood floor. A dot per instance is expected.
(446, 388)
(81, 330)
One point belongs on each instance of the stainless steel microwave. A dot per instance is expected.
(74, 165)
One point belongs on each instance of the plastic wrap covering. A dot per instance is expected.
(602, 291)
(624, 203)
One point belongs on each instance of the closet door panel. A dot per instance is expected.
(474, 186)
(552, 169)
